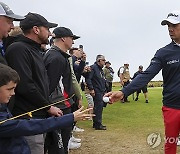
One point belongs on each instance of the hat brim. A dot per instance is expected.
(51, 25)
(15, 17)
(75, 37)
(172, 21)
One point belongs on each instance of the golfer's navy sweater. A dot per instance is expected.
(167, 59)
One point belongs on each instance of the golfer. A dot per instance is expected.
(167, 59)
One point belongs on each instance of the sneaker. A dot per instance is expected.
(178, 143)
(73, 145)
(146, 101)
(76, 129)
(74, 139)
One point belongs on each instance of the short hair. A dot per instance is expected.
(98, 57)
(7, 74)
(140, 67)
(72, 50)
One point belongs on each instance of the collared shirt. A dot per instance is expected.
(2, 49)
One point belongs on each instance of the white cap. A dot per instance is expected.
(173, 17)
(126, 63)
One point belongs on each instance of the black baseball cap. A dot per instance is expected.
(7, 12)
(34, 19)
(141, 67)
(60, 32)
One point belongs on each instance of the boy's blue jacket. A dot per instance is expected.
(12, 132)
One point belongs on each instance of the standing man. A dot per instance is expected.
(33, 91)
(143, 89)
(96, 84)
(108, 73)
(6, 24)
(79, 60)
(124, 76)
(60, 76)
(167, 59)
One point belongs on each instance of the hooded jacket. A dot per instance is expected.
(60, 76)
(32, 92)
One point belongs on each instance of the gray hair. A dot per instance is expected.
(98, 57)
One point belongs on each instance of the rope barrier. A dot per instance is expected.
(30, 112)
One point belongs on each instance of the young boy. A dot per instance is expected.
(12, 131)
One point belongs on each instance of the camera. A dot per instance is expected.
(81, 47)
(87, 63)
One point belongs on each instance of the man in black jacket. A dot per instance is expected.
(6, 24)
(59, 74)
(33, 91)
(143, 89)
(96, 83)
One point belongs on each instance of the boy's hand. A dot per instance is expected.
(82, 115)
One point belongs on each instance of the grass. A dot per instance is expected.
(128, 125)
(135, 115)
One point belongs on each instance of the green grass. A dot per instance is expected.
(134, 116)
(128, 126)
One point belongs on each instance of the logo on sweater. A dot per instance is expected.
(173, 61)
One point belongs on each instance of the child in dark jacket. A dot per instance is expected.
(12, 131)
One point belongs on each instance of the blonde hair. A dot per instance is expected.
(16, 31)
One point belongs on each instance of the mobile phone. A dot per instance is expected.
(81, 47)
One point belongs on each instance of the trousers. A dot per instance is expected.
(172, 129)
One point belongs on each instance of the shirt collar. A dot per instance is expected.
(176, 43)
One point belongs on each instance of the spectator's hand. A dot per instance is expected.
(77, 62)
(54, 111)
(86, 69)
(82, 115)
(83, 58)
(122, 83)
(114, 96)
(92, 93)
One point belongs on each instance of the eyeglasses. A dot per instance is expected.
(103, 59)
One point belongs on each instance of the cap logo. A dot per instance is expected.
(172, 15)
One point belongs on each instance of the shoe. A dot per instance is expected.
(122, 101)
(127, 101)
(73, 145)
(136, 99)
(76, 129)
(74, 139)
(147, 101)
(178, 143)
(101, 127)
